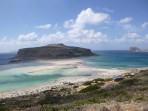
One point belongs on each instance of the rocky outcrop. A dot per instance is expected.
(53, 51)
(136, 49)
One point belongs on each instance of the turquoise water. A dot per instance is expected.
(18, 78)
(118, 59)
(14, 76)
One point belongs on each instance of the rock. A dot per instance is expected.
(15, 60)
(53, 51)
(136, 49)
(118, 78)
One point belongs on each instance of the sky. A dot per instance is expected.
(94, 24)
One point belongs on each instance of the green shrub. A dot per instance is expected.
(54, 109)
(129, 82)
(98, 79)
(50, 99)
(108, 79)
(142, 88)
(145, 73)
(87, 83)
(81, 102)
(75, 86)
(3, 108)
(140, 98)
(103, 94)
(100, 84)
(90, 88)
(129, 75)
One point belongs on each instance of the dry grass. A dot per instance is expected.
(144, 107)
(95, 107)
(113, 107)
(116, 107)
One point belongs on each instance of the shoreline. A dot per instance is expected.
(95, 73)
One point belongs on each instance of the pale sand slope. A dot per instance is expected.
(66, 63)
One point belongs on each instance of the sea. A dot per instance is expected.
(5, 57)
(14, 76)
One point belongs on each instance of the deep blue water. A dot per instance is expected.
(118, 59)
(107, 59)
(5, 57)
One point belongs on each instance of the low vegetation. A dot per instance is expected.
(90, 88)
(134, 88)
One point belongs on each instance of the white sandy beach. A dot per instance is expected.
(66, 63)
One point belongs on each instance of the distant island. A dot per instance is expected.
(137, 49)
(52, 51)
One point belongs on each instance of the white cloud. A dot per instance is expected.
(69, 23)
(126, 25)
(46, 26)
(129, 27)
(78, 33)
(144, 25)
(126, 20)
(133, 35)
(130, 38)
(52, 38)
(85, 17)
(88, 16)
(28, 37)
(96, 37)
(3, 39)
(146, 36)
(83, 36)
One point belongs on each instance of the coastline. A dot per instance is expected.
(94, 73)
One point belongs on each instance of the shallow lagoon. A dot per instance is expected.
(17, 76)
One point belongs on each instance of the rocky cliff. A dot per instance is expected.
(53, 51)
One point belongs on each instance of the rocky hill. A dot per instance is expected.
(53, 51)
